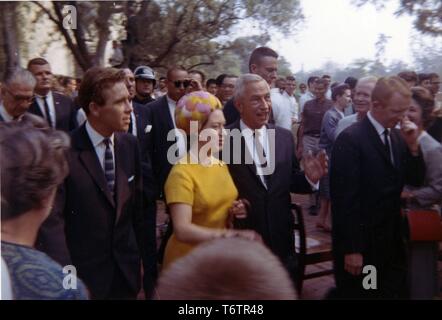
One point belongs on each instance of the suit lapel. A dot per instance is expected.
(88, 158)
(35, 108)
(121, 182)
(166, 113)
(377, 142)
(245, 155)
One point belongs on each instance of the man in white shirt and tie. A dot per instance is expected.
(268, 170)
(58, 109)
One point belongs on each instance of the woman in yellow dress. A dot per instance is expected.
(199, 191)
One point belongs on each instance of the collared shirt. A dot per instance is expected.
(133, 119)
(262, 134)
(314, 111)
(5, 115)
(380, 130)
(249, 139)
(41, 104)
(181, 140)
(304, 98)
(99, 145)
(285, 108)
(340, 112)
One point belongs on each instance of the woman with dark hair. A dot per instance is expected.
(423, 255)
(199, 191)
(33, 164)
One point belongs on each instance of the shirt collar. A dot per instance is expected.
(340, 112)
(4, 113)
(49, 95)
(171, 102)
(379, 127)
(247, 132)
(95, 137)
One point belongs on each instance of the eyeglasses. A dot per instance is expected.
(184, 83)
(20, 98)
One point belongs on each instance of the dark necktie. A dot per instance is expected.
(130, 130)
(387, 144)
(109, 166)
(262, 157)
(48, 115)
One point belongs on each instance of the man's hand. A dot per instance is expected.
(315, 167)
(353, 263)
(410, 133)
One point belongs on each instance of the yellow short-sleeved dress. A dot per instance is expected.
(208, 189)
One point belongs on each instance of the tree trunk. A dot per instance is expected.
(104, 13)
(10, 43)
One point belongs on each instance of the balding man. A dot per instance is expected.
(17, 93)
(365, 195)
(361, 103)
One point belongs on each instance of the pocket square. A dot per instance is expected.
(148, 128)
(130, 179)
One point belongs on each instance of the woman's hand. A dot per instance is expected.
(238, 210)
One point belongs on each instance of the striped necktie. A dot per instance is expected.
(109, 171)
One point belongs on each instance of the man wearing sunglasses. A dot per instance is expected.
(17, 93)
(162, 113)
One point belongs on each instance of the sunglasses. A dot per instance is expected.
(184, 83)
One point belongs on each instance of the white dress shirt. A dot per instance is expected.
(380, 130)
(5, 115)
(263, 136)
(285, 108)
(181, 140)
(249, 139)
(99, 145)
(41, 104)
(134, 120)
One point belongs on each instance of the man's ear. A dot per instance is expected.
(238, 105)
(253, 68)
(94, 109)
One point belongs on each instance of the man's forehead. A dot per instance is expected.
(257, 88)
(179, 74)
(19, 87)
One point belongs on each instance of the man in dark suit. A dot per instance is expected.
(58, 110)
(371, 161)
(162, 119)
(140, 127)
(263, 62)
(103, 202)
(272, 171)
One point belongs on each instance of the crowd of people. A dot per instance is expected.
(92, 158)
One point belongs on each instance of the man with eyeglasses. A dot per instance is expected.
(16, 95)
(58, 110)
(226, 85)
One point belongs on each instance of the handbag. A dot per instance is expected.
(424, 225)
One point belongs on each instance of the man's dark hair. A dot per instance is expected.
(290, 78)
(95, 81)
(312, 80)
(339, 90)
(423, 76)
(37, 61)
(259, 53)
(351, 81)
(210, 82)
(219, 80)
(203, 76)
(326, 76)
